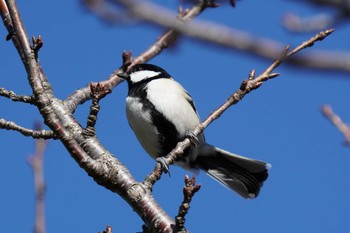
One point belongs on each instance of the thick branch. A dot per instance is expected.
(89, 153)
(235, 39)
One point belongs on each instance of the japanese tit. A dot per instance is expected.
(161, 113)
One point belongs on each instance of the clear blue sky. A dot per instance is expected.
(281, 123)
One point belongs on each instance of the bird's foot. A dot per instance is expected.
(193, 138)
(163, 163)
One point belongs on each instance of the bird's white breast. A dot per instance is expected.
(140, 122)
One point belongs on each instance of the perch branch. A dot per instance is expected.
(247, 86)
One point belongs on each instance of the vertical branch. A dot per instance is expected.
(36, 163)
(189, 190)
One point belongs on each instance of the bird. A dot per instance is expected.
(161, 113)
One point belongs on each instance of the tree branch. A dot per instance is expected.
(99, 163)
(234, 39)
(168, 38)
(337, 122)
(14, 97)
(247, 86)
(98, 92)
(37, 134)
(36, 162)
(340, 14)
(189, 190)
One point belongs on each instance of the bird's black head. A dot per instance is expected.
(143, 73)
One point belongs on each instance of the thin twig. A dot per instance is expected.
(340, 14)
(36, 162)
(98, 91)
(248, 85)
(80, 96)
(37, 134)
(337, 122)
(14, 97)
(189, 190)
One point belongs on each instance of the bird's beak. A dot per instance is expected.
(123, 76)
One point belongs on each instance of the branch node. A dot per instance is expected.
(98, 91)
(153, 177)
(37, 44)
(127, 60)
(11, 34)
(188, 191)
(243, 86)
(107, 230)
(251, 75)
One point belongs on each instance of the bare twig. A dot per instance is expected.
(189, 190)
(168, 38)
(337, 122)
(247, 86)
(98, 162)
(294, 23)
(36, 161)
(37, 44)
(38, 134)
(98, 91)
(340, 14)
(14, 97)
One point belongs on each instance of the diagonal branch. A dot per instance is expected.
(248, 85)
(235, 39)
(337, 122)
(169, 37)
(96, 160)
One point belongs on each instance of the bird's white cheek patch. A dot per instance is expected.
(142, 74)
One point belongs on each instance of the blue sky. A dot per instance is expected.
(280, 123)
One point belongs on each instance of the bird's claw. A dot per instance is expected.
(193, 138)
(163, 164)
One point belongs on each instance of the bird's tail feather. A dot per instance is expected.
(241, 174)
